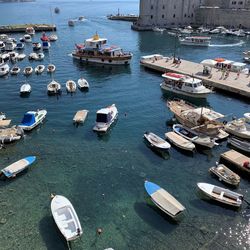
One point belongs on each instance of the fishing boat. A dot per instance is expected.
(19, 46)
(96, 50)
(51, 68)
(180, 141)
(184, 85)
(202, 120)
(156, 141)
(54, 88)
(201, 41)
(71, 23)
(25, 89)
(164, 200)
(57, 10)
(246, 53)
(191, 135)
(36, 46)
(15, 70)
(4, 69)
(225, 174)
(70, 86)
(8, 135)
(239, 127)
(30, 31)
(105, 117)
(21, 57)
(157, 29)
(15, 168)
(32, 119)
(80, 116)
(66, 218)
(27, 71)
(239, 144)
(2, 116)
(220, 194)
(39, 69)
(83, 84)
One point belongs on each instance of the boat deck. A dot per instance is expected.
(240, 85)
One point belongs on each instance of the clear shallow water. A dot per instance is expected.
(103, 176)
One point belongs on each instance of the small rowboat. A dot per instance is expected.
(25, 89)
(239, 144)
(17, 167)
(71, 86)
(39, 69)
(179, 141)
(80, 116)
(220, 194)
(51, 68)
(225, 174)
(54, 88)
(164, 200)
(66, 218)
(15, 70)
(27, 71)
(156, 141)
(83, 84)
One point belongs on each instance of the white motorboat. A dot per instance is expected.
(2, 45)
(32, 119)
(25, 89)
(4, 37)
(156, 141)
(83, 84)
(4, 69)
(27, 38)
(9, 45)
(40, 56)
(239, 128)
(33, 56)
(164, 200)
(21, 56)
(184, 85)
(54, 88)
(220, 194)
(246, 53)
(193, 136)
(15, 70)
(39, 69)
(28, 70)
(13, 56)
(80, 116)
(51, 68)
(239, 144)
(105, 117)
(66, 218)
(53, 37)
(20, 46)
(157, 29)
(70, 86)
(180, 141)
(202, 41)
(30, 31)
(36, 46)
(5, 57)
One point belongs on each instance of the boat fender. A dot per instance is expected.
(246, 164)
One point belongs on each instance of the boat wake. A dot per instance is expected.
(227, 45)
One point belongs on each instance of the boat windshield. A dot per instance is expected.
(28, 119)
(102, 118)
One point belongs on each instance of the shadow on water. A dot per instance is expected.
(154, 217)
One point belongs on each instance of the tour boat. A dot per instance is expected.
(36, 46)
(220, 194)
(240, 144)
(225, 174)
(246, 59)
(163, 200)
(19, 46)
(195, 41)
(39, 69)
(202, 120)
(83, 84)
(57, 10)
(30, 31)
(32, 119)
(71, 86)
(156, 141)
(9, 45)
(191, 135)
(96, 50)
(15, 70)
(54, 88)
(80, 116)
(184, 85)
(27, 71)
(4, 69)
(15, 168)
(51, 68)
(157, 29)
(66, 218)
(8, 135)
(21, 56)
(105, 117)
(25, 89)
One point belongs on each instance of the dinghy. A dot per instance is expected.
(71, 86)
(12, 170)
(39, 69)
(40, 56)
(220, 194)
(225, 174)
(66, 218)
(27, 71)
(32, 118)
(51, 68)
(54, 88)
(80, 116)
(53, 37)
(193, 136)
(105, 117)
(12, 134)
(180, 141)
(156, 141)
(25, 89)
(164, 200)
(15, 70)
(239, 144)
(19, 46)
(239, 128)
(33, 56)
(83, 84)
(21, 57)
(36, 46)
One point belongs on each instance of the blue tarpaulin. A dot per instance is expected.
(28, 119)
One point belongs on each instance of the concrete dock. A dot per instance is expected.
(128, 18)
(233, 84)
(16, 28)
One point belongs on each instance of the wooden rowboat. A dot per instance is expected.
(156, 141)
(80, 116)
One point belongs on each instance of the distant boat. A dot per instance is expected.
(71, 23)
(39, 69)
(51, 68)
(201, 41)
(27, 71)
(4, 69)
(25, 89)
(239, 144)
(57, 10)
(13, 56)
(30, 31)
(54, 88)
(71, 86)
(45, 41)
(15, 70)
(156, 141)
(80, 116)
(105, 118)
(15, 168)
(36, 46)
(220, 194)
(19, 46)
(66, 218)
(164, 200)
(83, 84)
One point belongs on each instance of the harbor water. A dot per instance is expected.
(103, 176)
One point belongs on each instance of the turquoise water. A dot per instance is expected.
(103, 177)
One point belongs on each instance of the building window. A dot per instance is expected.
(163, 7)
(151, 17)
(152, 7)
(162, 16)
(174, 16)
(185, 15)
(174, 6)
(192, 15)
(241, 3)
